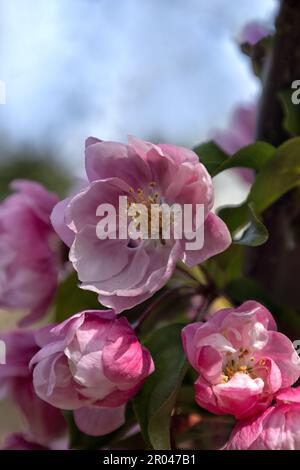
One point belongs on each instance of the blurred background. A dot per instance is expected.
(168, 70)
(163, 70)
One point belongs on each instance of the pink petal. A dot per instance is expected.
(179, 154)
(91, 141)
(240, 395)
(282, 351)
(42, 201)
(95, 260)
(111, 159)
(99, 421)
(188, 339)
(216, 239)
(291, 395)
(59, 224)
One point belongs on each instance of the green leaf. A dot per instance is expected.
(211, 155)
(291, 111)
(256, 234)
(279, 175)
(70, 299)
(154, 403)
(227, 265)
(253, 156)
(234, 217)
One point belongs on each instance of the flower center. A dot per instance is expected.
(239, 362)
(148, 220)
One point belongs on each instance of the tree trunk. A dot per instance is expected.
(276, 264)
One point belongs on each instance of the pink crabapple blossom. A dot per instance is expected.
(124, 273)
(92, 363)
(241, 359)
(28, 256)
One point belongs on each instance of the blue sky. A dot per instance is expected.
(152, 68)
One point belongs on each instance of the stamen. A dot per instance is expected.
(224, 378)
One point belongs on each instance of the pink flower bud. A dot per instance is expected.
(92, 363)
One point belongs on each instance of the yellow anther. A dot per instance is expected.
(224, 378)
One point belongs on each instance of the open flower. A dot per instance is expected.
(125, 272)
(44, 422)
(242, 361)
(92, 363)
(28, 258)
(277, 428)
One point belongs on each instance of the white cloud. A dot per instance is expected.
(152, 68)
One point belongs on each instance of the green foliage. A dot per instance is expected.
(70, 299)
(211, 156)
(254, 156)
(256, 233)
(154, 403)
(280, 174)
(291, 111)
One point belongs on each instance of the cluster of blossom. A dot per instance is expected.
(244, 364)
(93, 363)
